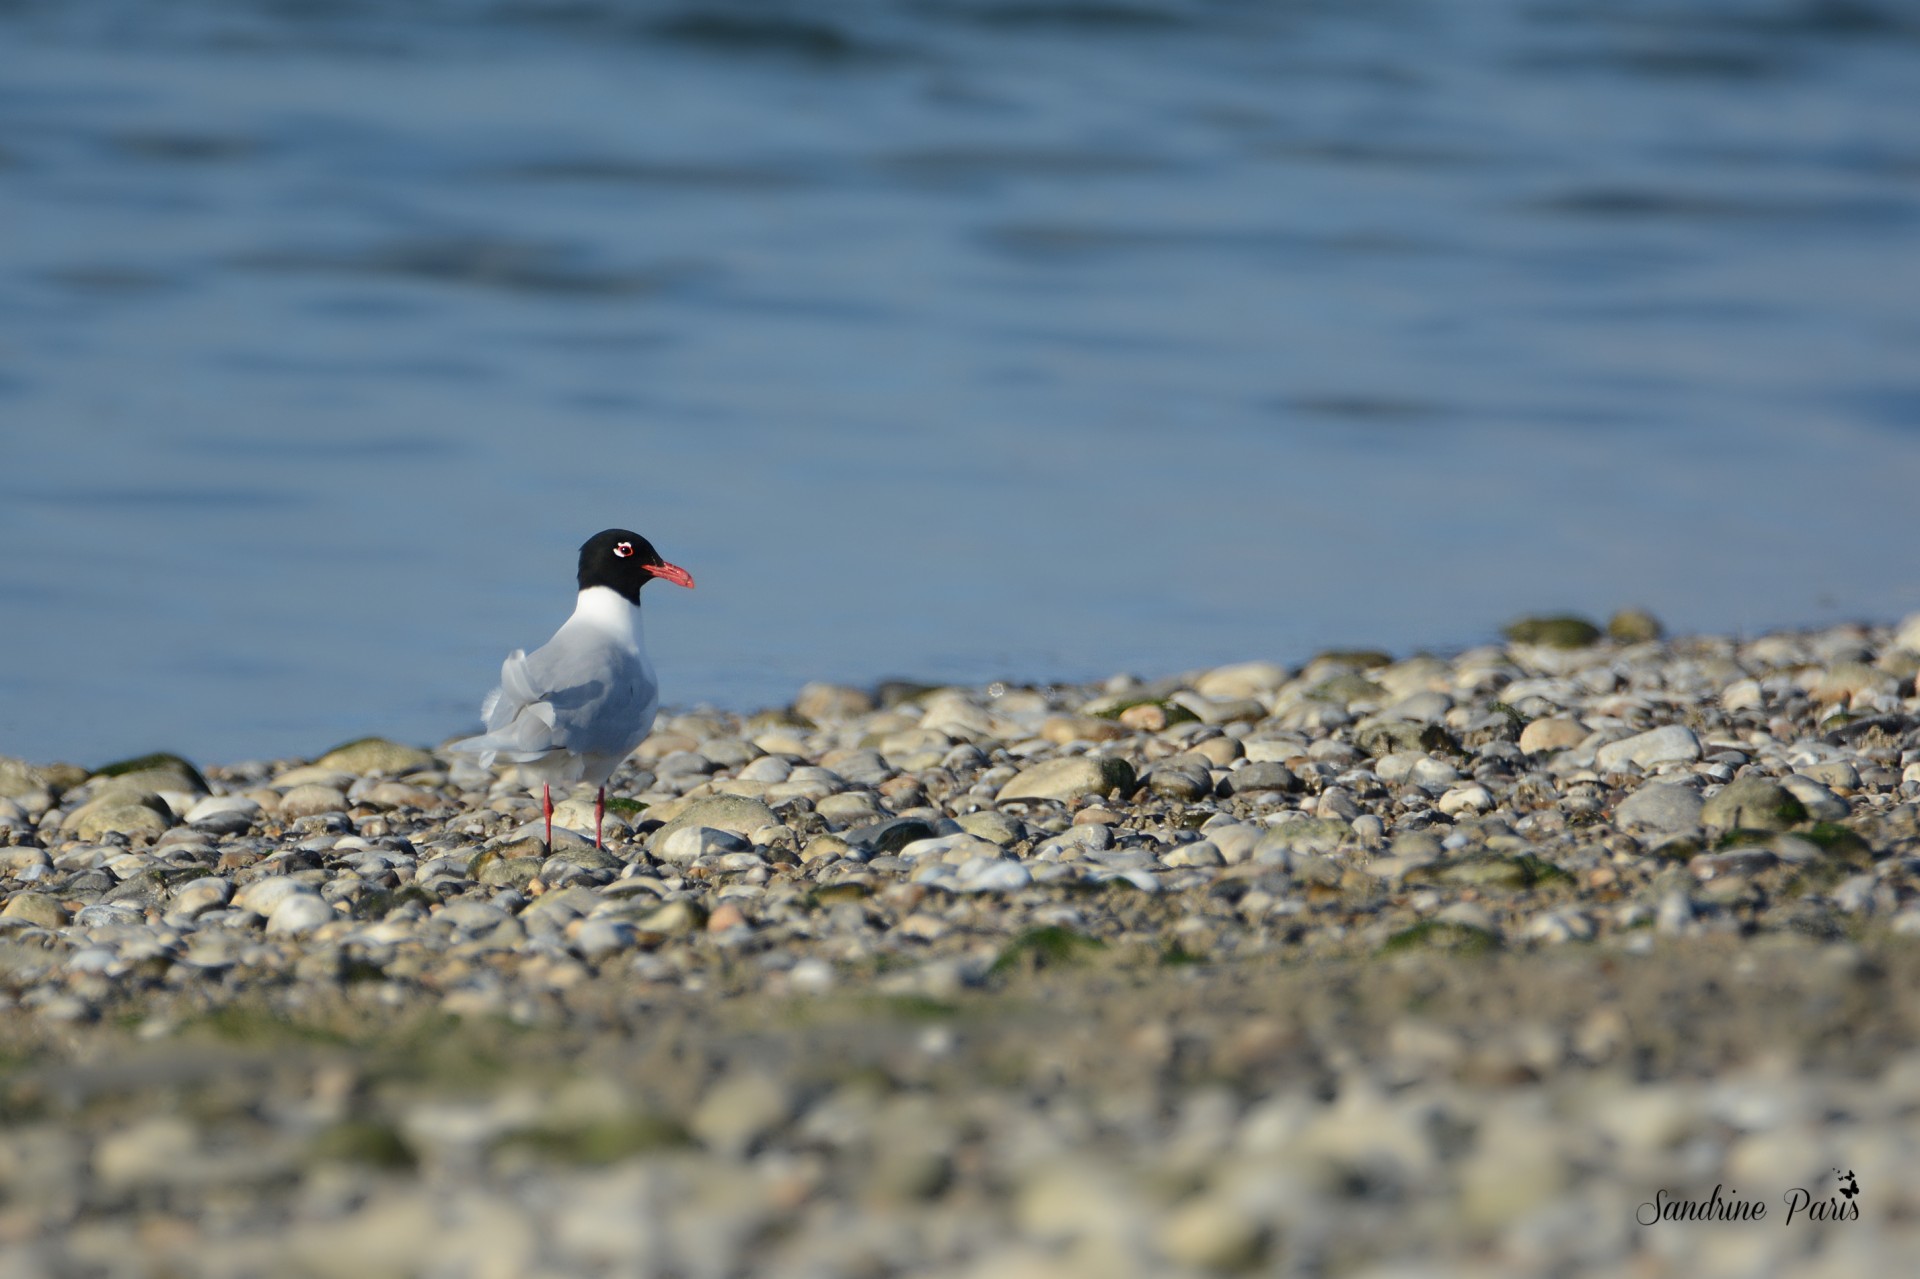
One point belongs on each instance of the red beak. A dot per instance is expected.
(672, 572)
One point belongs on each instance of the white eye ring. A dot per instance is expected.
(623, 550)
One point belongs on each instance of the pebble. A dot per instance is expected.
(311, 800)
(1669, 744)
(690, 843)
(1553, 733)
(1070, 778)
(299, 913)
(1664, 809)
(35, 908)
(740, 1111)
(1357, 817)
(1752, 803)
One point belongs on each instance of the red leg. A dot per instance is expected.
(599, 811)
(546, 805)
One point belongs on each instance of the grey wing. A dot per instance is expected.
(602, 697)
(520, 721)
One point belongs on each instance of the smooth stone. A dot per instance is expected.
(109, 915)
(311, 800)
(1214, 1234)
(1426, 707)
(740, 1111)
(1634, 626)
(1838, 774)
(1235, 840)
(1062, 730)
(1555, 733)
(1671, 744)
(1662, 808)
(1432, 775)
(313, 775)
(1200, 853)
(18, 861)
(114, 815)
(1071, 778)
(1309, 835)
(376, 755)
(995, 827)
(1384, 737)
(726, 915)
(1181, 782)
(1273, 750)
(824, 846)
(1822, 804)
(263, 896)
(604, 936)
(156, 773)
(1472, 798)
(1076, 841)
(1220, 710)
(674, 919)
(500, 869)
(735, 814)
(37, 909)
(1738, 861)
(298, 914)
(1263, 775)
(1753, 803)
(1562, 632)
(393, 794)
(829, 703)
(217, 805)
(198, 896)
(1241, 680)
(889, 837)
(584, 855)
(691, 843)
(576, 813)
(991, 875)
(953, 849)
(18, 778)
(530, 840)
(849, 806)
(767, 768)
(471, 916)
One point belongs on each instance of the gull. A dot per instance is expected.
(574, 708)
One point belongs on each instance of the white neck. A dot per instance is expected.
(607, 611)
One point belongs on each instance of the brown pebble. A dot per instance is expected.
(726, 915)
(1146, 717)
(904, 897)
(1096, 816)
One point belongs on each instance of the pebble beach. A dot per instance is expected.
(1380, 965)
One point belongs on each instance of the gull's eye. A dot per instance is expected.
(623, 550)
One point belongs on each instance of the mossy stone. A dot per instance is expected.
(1347, 689)
(1442, 934)
(160, 771)
(503, 871)
(735, 814)
(1753, 803)
(1634, 626)
(1564, 631)
(1365, 659)
(376, 755)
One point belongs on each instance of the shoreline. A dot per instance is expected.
(1255, 968)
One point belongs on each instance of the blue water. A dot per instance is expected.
(958, 340)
